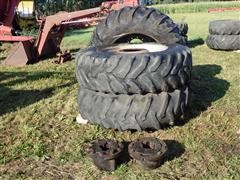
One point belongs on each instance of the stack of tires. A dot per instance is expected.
(224, 35)
(134, 86)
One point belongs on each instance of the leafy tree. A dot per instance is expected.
(48, 7)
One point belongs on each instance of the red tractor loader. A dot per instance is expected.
(7, 12)
(51, 30)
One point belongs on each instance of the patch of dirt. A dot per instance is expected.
(37, 169)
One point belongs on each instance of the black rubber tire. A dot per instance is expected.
(183, 28)
(129, 22)
(223, 42)
(134, 112)
(137, 73)
(225, 27)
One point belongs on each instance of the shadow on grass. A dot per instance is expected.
(206, 88)
(74, 51)
(195, 42)
(125, 157)
(11, 100)
(175, 150)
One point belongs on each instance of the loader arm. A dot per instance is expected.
(52, 30)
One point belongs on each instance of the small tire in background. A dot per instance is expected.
(223, 42)
(133, 69)
(134, 112)
(146, 24)
(225, 27)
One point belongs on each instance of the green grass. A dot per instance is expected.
(73, 40)
(39, 138)
(196, 7)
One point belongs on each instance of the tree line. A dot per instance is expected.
(48, 7)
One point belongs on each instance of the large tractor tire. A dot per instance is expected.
(146, 24)
(223, 42)
(225, 27)
(134, 69)
(134, 112)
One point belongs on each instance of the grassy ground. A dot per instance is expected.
(196, 7)
(39, 137)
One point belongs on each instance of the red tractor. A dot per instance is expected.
(51, 30)
(7, 12)
(7, 8)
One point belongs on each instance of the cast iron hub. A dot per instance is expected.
(105, 153)
(148, 152)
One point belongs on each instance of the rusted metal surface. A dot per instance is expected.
(105, 153)
(21, 54)
(63, 57)
(6, 35)
(85, 22)
(52, 28)
(117, 4)
(7, 10)
(11, 38)
(52, 32)
(148, 152)
(5, 30)
(50, 35)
